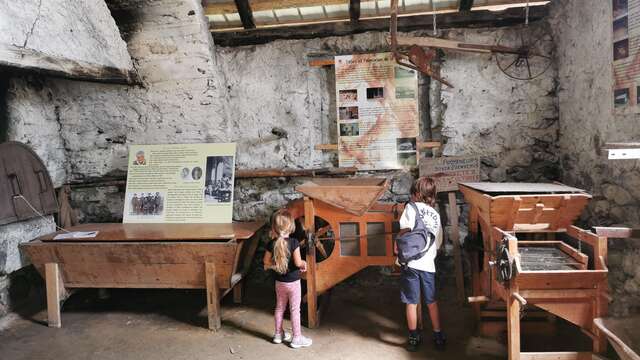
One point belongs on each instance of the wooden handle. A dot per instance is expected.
(520, 299)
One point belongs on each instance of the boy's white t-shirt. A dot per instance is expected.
(431, 220)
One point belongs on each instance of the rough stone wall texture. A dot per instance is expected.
(84, 31)
(583, 37)
(11, 235)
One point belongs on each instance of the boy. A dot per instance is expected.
(420, 274)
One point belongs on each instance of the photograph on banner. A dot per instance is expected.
(625, 28)
(377, 112)
(180, 183)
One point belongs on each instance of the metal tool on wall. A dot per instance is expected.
(417, 58)
(523, 54)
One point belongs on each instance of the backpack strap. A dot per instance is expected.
(419, 220)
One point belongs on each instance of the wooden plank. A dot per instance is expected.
(617, 232)
(213, 300)
(422, 145)
(262, 173)
(53, 284)
(246, 14)
(213, 8)
(312, 293)
(570, 279)
(449, 171)
(116, 232)
(485, 18)
(455, 239)
(33, 60)
(555, 356)
(513, 310)
(513, 214)
(522, 188)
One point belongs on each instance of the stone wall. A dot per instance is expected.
(583, 33)
(15, 287)
(85, 36)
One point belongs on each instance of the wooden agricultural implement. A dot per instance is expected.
(529, 253)
(215, 257)
(347, 230)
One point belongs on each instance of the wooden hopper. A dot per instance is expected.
(354, 196)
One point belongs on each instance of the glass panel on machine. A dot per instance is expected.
(376, 239)
(349, 239)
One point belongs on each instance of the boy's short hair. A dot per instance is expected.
(424, 189)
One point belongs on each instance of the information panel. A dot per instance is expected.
(185, 183)
(377, 108)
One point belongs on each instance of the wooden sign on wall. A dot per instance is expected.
(449, 171)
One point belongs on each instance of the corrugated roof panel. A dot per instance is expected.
(287, 15)
(312, 12)
(368, 9)
(334, 11)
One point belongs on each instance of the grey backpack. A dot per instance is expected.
(414, 244)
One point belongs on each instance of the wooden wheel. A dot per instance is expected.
(324, 234)
(531, 56)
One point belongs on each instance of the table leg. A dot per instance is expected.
(237, 292)
(53, 285)
(213, 297)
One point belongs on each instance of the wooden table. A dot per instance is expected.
(551, 270)
(215, 257)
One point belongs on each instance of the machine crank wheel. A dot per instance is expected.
(325, 238)
(530, 57)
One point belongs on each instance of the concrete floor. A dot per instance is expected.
(364, 321)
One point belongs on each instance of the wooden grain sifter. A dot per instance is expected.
(349, 229)
(529, 253)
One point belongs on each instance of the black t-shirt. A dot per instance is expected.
(293, 273)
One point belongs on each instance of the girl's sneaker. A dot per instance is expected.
(278, 338)
(300, 342)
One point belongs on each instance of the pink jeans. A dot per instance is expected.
(288, 292)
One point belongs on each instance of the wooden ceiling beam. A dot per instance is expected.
(465, 5)
(246, 14)
(262, 5)
(354, 11)
(484, 18)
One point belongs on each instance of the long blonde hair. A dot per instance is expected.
(282, 224)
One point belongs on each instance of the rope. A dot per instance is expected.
(38, 213)
(435, 22)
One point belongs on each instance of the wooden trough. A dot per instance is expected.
(529, 253)
(215, 257)
(350, 231)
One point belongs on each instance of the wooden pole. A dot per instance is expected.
(312, 294)
(513, 310)
(455, 239)
(53, 284)
(213, 297)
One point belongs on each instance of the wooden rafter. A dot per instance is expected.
(354, 11)
(465, 5)
(246, 14)
(486, 18)
(265, 5)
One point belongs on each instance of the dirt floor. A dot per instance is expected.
(364, 321)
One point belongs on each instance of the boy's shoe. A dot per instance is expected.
(300, 342)
(413, 343)
(278, 338)
(439, 340)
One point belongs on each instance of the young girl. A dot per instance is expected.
(283, 257)
(419, 275)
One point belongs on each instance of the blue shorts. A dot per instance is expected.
(412, 280)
